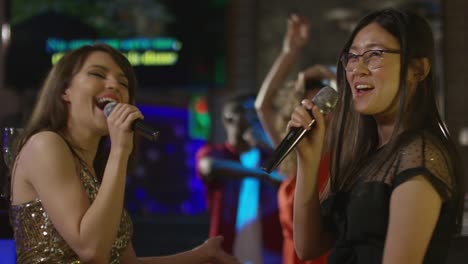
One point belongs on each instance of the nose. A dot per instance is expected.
(111, 83)
(361, 68)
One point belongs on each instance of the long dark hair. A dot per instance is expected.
(51, 113)
(354, 136)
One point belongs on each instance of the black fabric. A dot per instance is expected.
(359, 218)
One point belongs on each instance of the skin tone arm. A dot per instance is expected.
(208, 252)
(310, 239)
(411, 226)
(89, 229)
(295, 39)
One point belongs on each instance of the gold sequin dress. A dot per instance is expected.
(37, 240)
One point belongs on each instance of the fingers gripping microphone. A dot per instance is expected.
(325, 100)
(138, 125)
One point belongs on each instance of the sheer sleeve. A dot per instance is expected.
(427, 157)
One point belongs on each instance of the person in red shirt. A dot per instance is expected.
(219, 166)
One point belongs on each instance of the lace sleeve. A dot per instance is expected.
(427, 157)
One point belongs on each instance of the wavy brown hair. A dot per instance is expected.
(51, 113)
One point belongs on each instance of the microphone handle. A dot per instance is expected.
(144, 130)
(285, 147)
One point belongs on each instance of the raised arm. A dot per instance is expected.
(296, 37)
(47, 166)
(310, 238)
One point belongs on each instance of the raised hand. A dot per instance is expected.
(297, 34)
(312, 144)
(120, 123)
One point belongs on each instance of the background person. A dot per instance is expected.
(225, 168)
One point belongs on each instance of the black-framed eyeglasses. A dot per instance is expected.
(372, 58)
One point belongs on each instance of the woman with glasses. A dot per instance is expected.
(394, 194)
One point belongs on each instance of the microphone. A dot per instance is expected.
(325, 100)
(138, 125)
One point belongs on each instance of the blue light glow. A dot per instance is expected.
(249, 192)
(156, 112)
(7, 251)
(174, 148)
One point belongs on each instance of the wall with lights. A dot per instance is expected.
(162, 51)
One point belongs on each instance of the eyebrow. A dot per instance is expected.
(120, 74)
(370, 46)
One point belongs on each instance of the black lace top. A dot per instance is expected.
(359, 218)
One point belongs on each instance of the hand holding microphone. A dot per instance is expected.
(325, 101)
(138, 125)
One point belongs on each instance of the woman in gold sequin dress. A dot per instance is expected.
(67, 191)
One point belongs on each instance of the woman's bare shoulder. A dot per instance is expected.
(44, 160)
(44, 148)
(44, 138)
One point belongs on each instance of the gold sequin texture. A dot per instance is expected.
(37, 241)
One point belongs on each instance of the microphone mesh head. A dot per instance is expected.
(325, 99)
(108, 108)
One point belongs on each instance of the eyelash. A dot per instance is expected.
(103, 77)
(98, 75)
